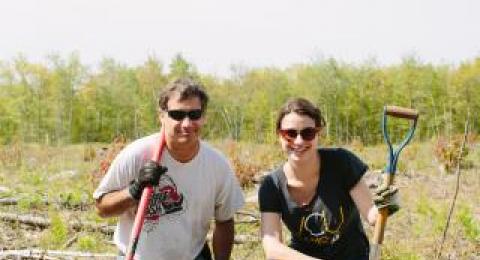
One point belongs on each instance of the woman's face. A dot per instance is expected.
(298, 136)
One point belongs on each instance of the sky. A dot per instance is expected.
(216, 34)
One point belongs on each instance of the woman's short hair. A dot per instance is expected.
(186, 88)
(302, 107)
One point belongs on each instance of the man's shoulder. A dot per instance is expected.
(143, 142)
(212, 153)
(138, 149)
(146, 139)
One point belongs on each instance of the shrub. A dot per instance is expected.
(447, 152)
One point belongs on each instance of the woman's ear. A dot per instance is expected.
(321, 133)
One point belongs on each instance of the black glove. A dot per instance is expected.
(387, 197)
(149, 174)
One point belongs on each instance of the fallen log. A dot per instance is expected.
(48, 254)
(103, 228)
(15, 201)
(8, 201)
(239, 239)
(63, 204)
(42, 222)
(25, 219)
(246, 213)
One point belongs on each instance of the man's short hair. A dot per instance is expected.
(187, 88)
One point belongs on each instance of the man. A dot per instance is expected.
(194, 184)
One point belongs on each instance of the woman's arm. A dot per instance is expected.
(271, 232)
(363, 200)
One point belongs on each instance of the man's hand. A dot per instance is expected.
(149, 174)
(387, 197)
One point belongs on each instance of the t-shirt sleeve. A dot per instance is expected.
(230, 196)
(354, 167)
(122, 170)
(269, 196)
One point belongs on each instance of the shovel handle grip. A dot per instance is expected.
(401, 112)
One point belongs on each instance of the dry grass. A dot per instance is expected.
(33, 173)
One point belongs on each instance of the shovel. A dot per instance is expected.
(394, 153)
(144, 202)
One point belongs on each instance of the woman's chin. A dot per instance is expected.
(296, 156)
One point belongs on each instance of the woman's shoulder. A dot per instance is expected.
(273, 177)
(336, 153)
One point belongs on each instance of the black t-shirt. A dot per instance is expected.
(329, 227)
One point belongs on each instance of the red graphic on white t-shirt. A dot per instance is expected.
(165, 200)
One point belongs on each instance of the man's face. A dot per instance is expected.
(180, 121)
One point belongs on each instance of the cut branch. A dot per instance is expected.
(48, 254)
(8, 201)
(239, 239)
(45, 223)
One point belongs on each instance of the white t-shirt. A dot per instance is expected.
(188, 197)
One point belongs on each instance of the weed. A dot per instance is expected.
(396, 252)
(434, 216)
(76, 199)
(56, 235)
(12, 155)
(89, 153)
(88, 243)
(33, 201)
(470, 226)
(31, 178)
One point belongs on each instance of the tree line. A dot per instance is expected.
(64, 101)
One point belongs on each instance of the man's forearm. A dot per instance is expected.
(114, 203)
(223, 235)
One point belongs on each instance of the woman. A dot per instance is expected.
(317, 193)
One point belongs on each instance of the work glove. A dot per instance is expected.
(387, 197)
(149, 174)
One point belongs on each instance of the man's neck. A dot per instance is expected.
(183, 152)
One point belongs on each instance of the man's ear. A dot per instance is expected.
(161, 115)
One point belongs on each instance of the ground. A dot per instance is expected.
(64, 176)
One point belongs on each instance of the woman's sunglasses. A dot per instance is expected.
(307, 134)
(179, 115)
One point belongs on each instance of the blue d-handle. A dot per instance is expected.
(393, 153)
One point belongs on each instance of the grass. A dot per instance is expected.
(63, 175)
(56, 235)
(471, 226)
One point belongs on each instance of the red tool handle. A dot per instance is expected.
(144, 202)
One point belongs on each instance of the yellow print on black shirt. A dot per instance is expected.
(318, 229)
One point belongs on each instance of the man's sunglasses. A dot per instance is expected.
(179, 115)
(307, 134)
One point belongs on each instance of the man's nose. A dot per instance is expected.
(186, 122)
